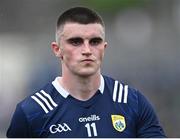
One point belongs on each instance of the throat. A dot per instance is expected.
(82, 89)
(84, 93)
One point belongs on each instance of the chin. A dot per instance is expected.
(87, 73)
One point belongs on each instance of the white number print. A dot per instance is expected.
(91, 127)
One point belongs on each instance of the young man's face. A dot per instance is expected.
(82, 48)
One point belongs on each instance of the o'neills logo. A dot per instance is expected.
(89, 118)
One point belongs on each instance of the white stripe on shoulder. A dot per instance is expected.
(49, 97)
(115, 91)
(125, 93)
(120, 93)
(45, 101)
(40, 103)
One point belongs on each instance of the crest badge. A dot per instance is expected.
(118, 122)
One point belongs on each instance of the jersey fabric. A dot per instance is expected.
(115, 111)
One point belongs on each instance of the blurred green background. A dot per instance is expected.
(143, 38)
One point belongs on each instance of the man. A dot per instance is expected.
(83, 102)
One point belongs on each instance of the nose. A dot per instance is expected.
(86, 50)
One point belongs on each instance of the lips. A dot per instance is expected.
(88, 60)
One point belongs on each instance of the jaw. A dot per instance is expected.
(81, 70)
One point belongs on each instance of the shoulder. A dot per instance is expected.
(127, 96)
(121, 92)
(42, 101)
(32, 112)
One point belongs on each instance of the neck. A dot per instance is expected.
(81, 87)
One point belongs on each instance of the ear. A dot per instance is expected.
(105, 45)
(56, 49)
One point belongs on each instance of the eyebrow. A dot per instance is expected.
(73, 38)
(79, 38)
(96, 38)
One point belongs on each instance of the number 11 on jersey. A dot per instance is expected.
(91, 128)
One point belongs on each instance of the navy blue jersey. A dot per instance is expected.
(116, 110)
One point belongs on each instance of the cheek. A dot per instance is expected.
(100, 54)
(68, 56)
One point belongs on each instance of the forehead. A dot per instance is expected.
(82, 30)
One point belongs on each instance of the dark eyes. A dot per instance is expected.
(75, 41)
(95, 41)
(79, 41)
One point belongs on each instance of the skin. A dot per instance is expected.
(81, 50)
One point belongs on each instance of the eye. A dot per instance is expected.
(95, 41)
(75, 41)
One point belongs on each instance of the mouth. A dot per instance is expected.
(87, 60)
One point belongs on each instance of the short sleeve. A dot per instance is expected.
(148, 123)
(19, 125)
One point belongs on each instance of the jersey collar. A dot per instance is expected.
(65, 93)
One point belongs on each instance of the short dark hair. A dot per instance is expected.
(80, 15)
